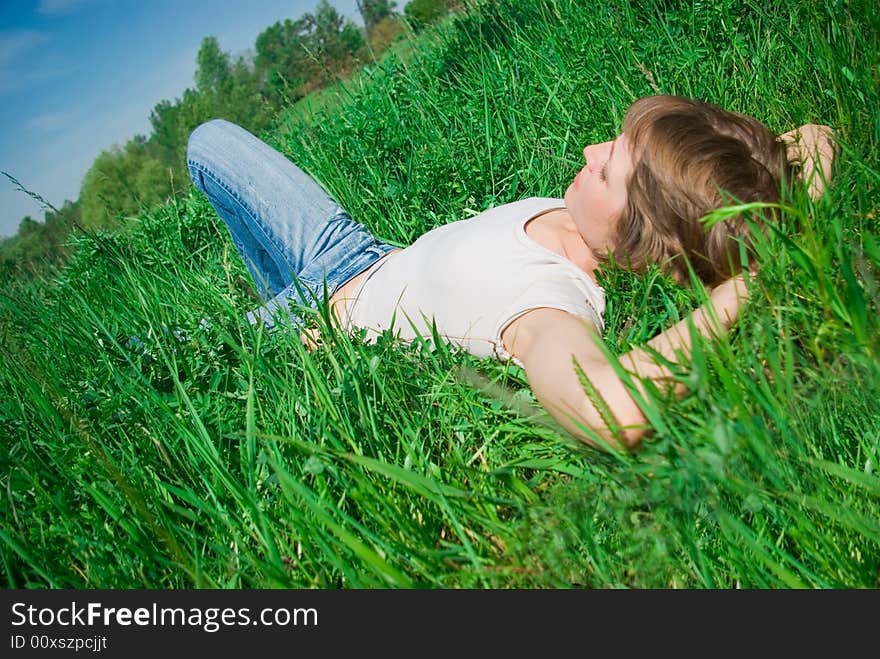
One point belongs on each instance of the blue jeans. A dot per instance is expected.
(292, 235)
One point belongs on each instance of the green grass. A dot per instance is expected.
(235, 458)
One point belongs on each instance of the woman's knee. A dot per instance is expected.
(208, 136)
(206, 145)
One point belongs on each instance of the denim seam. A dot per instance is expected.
(368, 255)
(254, 216)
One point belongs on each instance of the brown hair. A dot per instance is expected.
(691, 158)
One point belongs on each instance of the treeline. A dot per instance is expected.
(291, 59)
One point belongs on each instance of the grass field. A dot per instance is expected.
(222, 456)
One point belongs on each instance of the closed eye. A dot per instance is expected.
(603, 173)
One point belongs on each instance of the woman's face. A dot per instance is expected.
(597, 197)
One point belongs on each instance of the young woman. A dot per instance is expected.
(519, 281)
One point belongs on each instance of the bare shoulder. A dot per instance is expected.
(538, 326)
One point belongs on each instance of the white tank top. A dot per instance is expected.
(473, 278)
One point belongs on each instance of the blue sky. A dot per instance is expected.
(77, 76)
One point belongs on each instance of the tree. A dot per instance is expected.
(282, 60)
(59, 225)
(38, 247)
(241, 101)
(336, 41)
(230, 89)
(213, 69)
(422, 13)
(296, 57)
(28, 226)
(165, 139)
(374, 11)
(120, 182)
(386, 32)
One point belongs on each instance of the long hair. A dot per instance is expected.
(691, 158)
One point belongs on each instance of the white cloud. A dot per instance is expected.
(13, 81)
(14, 44)
(61, 155)
(54, 162)
(50, 122)
(53, 7)
(19, 49)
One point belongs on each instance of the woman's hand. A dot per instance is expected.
(310, 338)
(813, 148)
(728, 297)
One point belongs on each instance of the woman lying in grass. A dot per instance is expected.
(518, 281)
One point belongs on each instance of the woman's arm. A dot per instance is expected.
(812, 148)
(549, 342)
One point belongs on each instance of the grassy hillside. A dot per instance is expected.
(220, 456)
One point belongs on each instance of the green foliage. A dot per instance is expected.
(38, 248)
(374, 12)
(213, 67)
(120, 182)
(151, 449)
(386, 32)
(296, 57)
(338, 42)
(224, 89)
(422, 13)
(27, 226)
(292, 59)
(281, 56)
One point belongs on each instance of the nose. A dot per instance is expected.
(593, 153)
